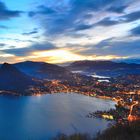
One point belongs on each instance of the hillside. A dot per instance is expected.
(42, 70)
(105, 68)
(11, 79)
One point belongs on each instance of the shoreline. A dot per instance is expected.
(8, 93)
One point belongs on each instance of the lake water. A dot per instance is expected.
(43, 117)
(100, 78)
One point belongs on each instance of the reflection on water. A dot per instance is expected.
(98, 76)
(45, 116)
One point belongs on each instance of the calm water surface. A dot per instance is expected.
(40, 118)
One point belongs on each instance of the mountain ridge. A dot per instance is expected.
(105, 68)
(43, 70)
(13, 79)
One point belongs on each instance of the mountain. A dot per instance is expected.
(105, 68)
(44, 70)
(129, 60)
(11, 79)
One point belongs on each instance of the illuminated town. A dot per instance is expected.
(125, 94)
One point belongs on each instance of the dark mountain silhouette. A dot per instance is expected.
(11, 79)
(44, 70)
(106, 68)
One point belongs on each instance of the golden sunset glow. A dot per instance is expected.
(61, 56)
(64, 35)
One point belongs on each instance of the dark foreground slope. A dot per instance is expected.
(129, 131)
(11, 79)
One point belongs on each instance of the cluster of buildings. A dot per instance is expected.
(124, 90)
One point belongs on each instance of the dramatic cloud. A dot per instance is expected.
(6, 14)
(72, 15)
(80, 29)
(136, 31)
(107, 22)
(2, 44)
(28, 50)
(83, 27)
(35, 31)
(94, 5)
(113, 46)
(117, 8)
(132, 16)
(42, 10)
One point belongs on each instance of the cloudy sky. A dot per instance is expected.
(60, 31)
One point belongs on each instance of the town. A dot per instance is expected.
(124, 90)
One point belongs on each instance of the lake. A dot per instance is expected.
(100, 78)
(43, 117)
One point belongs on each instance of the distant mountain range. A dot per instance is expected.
(42, 70)
(105, 68)
(29, 77)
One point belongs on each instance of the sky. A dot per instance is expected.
(59, 31)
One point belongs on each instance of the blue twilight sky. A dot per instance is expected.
(59, 31)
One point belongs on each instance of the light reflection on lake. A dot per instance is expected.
(46, 116)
